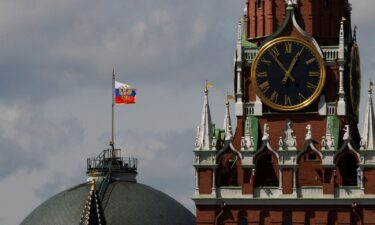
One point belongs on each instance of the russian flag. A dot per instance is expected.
(124, 93)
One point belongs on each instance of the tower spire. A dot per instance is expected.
(368, 135)
(227, 121)
(204, 131)
(341, 105)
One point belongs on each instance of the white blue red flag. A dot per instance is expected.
(124, 93)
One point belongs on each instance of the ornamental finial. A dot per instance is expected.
(207, 86)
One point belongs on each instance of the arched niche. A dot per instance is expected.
(266, 170)
(310, 172)
(227, 171)
(347, 169)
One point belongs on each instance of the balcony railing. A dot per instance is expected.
(111, 159)
(330, 53)
(250, 54)
(249, 109)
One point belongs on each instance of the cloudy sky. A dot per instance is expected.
(56, 60)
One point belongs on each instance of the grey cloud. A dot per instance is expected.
(50, 48)
(58, 183)
(27, 138)
(58, 57)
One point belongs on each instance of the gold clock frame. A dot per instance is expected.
(355, 48)
(310, 99)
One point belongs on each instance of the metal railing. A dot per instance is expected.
(108, 161)
(330, 53)
(111, 159)
(250, 53)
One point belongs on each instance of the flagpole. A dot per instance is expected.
(113, 111)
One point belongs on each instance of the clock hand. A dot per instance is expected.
(279, 63)
(292, 64)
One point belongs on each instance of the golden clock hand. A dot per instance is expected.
(292, 64)
(279, 63)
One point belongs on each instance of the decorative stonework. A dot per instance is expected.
(341, 104)
(291, 2)
(289, 141)
(227, 125)
(308, 136)
(266, 135)
(248, 138)
(204, 136)
(243, 144)
(368, 134)
(328, 142)
(346, 136)
(322, 105)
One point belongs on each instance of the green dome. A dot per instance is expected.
(124, 203)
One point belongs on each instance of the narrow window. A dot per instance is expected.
(287, 221)
(348, 167)
(259, 4)
(311, 157)
(242, 218)
(287, 218)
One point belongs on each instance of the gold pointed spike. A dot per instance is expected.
(93, 185)
(230, 97)
(209, 84)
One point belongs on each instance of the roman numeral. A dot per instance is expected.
(288, 47)
(308, 62)
(311, 86)
(274, 97)
(263, 60)
(287, 100)
(314, 74)
(274, 52)
(262, 74)
(264, 86)
(301, 97)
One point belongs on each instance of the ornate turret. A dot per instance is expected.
(204, 130)
(293, 157)
(368, 136)
(341, 105)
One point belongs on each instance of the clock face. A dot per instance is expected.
(288, 74)
(355, 78)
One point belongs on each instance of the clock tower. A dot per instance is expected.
(296, 155)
